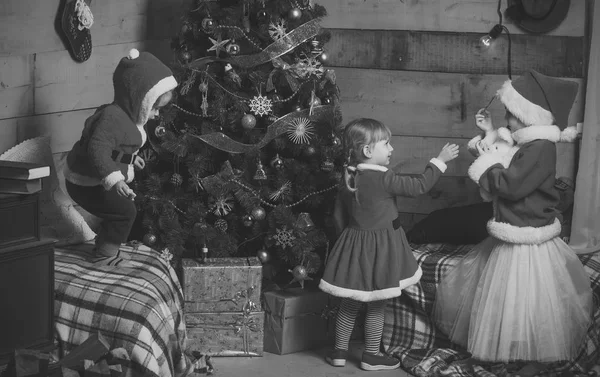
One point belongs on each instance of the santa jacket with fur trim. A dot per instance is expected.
(90, 162)
(525, 197)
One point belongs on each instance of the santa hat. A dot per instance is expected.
(539, 100)
(139, 79)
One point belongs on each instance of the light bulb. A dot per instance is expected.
(486, 40)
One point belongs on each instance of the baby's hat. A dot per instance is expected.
(539, 100)
(139, 79)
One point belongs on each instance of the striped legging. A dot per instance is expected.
(373, 324)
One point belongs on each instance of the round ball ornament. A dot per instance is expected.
(277, 163)
(248, 121)
(294, 14)
(263, 256)
(248, 220)
(149, 239)
(326, 101)
(233, 49)
(186, 56)
(262, 16)
(300, 273)
(310, 151)
(314, 101)
(323, 58)
(335, 141)
(259, 213)
(160, 131)
(221, 225)
(208, 25)
(298, 108)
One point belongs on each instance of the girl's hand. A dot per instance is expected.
(448, 153)
(124, 190)
(139, 163)
(483, 120)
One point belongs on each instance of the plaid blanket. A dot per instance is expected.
(410, 334)
(138, 309)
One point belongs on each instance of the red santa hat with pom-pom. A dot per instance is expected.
(539, 100)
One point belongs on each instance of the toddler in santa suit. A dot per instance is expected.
(101, 164)
(522, 294)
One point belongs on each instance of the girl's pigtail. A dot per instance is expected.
(349, 172)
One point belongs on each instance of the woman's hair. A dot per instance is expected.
(357, 134)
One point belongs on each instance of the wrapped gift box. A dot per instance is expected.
(295, 320)
(222, 306)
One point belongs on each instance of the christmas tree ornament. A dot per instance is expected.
(76, 21)
(160, 131)
(327, 100)
(300, 275)
(185, 56)
(260, 174)
(203, 87)
(166, 254)
(281, 192)
(316, 48)
(233, 48)
(275, 97)
(262, 16)
(208, 25)
(263, 256)
(149, 239)
(176, 179)
(304, 222)
(248, 121)
(222, 205)
(204, 248)
(259, 213)
(323, 57)
(277, 162)
(294, 14)
(283, 237)
(221, 225)
(298, 108)
(310, 151)
(248, 220)
(300, 130)
(218, 45)
(233, 75)
(314, 100)
(327, 165)
(277, 29)
(246, 15)
(335, 141)
(260, 105)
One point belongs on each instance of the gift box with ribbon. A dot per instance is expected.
(222, 306)
(295, 320)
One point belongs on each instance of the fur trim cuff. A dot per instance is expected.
(109, 181)
(505, 135)
(523, 235)
(525, 110)
(371, 167)
(161, 87)
(531, 133)
(367, 296)
(439, 164)
(569, 134)
(482, 164)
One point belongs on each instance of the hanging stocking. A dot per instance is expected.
(76, 21)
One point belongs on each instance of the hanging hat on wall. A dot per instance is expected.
(539, 100)
(537, 16)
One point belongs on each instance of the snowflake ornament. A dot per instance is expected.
(284, 237)
(310, 66)
(166, 254)
(277, 30)
(283, 191)
(260, 105)
(300, 130)
(222, 205)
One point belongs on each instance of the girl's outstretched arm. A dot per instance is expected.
(412, 185)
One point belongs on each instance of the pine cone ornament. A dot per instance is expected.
(176, 179)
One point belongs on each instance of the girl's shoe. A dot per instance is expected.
(378, 362)
(337, 358)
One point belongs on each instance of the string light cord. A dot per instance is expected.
(509, 58)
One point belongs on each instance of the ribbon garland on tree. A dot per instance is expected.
(224, 143)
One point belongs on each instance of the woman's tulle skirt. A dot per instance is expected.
(507, 302)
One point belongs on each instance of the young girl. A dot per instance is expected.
(102, 162)
(372, 260)
(522, 294)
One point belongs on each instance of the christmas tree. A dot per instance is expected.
(247, 159)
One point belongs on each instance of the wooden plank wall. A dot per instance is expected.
(417, 66)
(43, 91)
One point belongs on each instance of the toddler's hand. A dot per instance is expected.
(124, 190)
(448, 153)
(483, 120)
(139, 163)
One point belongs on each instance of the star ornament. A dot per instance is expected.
(300, 130)
(218, 45)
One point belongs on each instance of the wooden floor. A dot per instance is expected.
(301, 364)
